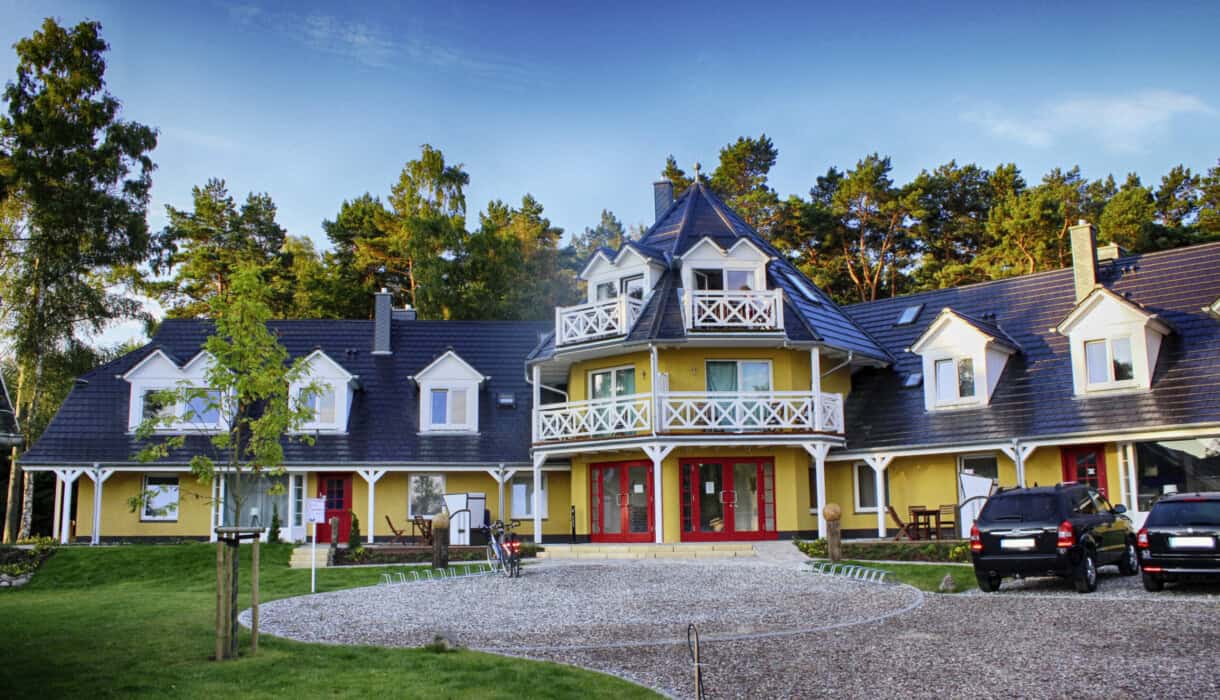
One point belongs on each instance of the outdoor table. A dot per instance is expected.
(925, 520)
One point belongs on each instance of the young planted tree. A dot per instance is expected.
(76, 182)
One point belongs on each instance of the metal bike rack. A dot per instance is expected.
(854, 572)
(398, 578)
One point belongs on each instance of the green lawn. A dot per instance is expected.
(926, 577)
(138, 620)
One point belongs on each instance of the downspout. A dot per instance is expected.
(841, 365)
(530, 381)
(652, 385)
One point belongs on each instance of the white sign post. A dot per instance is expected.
(315, 512)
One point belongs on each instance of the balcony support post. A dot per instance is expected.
(652, 387)
(819, 450)
(879, 464)
(536, 405)
(657, 453)
(539, 460)
(815, 385)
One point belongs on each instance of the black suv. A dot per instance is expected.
(1065, 530)
(1179, 538)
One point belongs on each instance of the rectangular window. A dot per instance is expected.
(1121, 359)
(965, 378)
(709, 279)
(321, 404)
(298, 500)
(523, 496)
(738, 279)
(611, 383)
(813, 487)
(440, 405)
(160, 498)
(738, 375)
(1095, 361)
(633, 286)
(605, 291)
(426, 495)
(155, 407)
(1108, 361)
(946, 381)
(866, 487)
(204, 409)
(981, 465)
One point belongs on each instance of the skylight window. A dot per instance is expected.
(908, 315)
(913, 379)
(807, 289)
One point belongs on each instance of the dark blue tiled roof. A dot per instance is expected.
(1035, 393)
(383, 425)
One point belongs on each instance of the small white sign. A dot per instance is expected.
(315, 510)
(638, 488)
(709, 487)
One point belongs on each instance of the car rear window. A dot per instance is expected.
(1021, 506)
(1170, 513)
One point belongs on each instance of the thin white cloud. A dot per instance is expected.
(372, 46)
(1122, 123)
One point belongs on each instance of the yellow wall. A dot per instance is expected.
(578, 375)
(118, 520)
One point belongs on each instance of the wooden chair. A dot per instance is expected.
(422, 529)
(948, 519)
(907, 529)
(400, 536)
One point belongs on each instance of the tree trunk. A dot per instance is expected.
(27, 506)
(13, 512)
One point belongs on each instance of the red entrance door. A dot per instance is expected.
(337, 490)
(728, 499)
(1085, 464)
(620, 497)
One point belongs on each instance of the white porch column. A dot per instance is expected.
(815, 385)
(371, 476)
(658, 453)
(501, 475)
(68, 477)
(536, 406)
(59, 495)
(539, 460)
(819, 450)
(1018, 453)
(99, 477)
(879, 464)
(655, 418)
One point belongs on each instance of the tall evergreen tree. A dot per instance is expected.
(608, 233)
(954, 201)
(81, 177)
(1128, 217)
(675, 175)
(360, 219)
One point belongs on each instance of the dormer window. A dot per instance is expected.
(724, 280)
(954, 380)
(1109, 361)
(203, 410)
(321, 404)
(326, 391)
(152, 406)
(157, 374)
(449, 395)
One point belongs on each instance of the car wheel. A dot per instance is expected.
(1129, 565)
(988, 583)
(1085, 576)
(1153, 583)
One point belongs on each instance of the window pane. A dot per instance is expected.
(755, 376)
(457, 408)
(709, 279)
(605, 292)
(982, 466)
(427, 494)
(161, 499)
(946, 380)
(722, 376)
(813, 486)
(867, 486)
(298, 498)
(154, 408)
(1095, 361)
(624, 381)
(325, 405)
(204, 409)
(739, 279)
(523, 496)
(965, 377)
(602, 388)
(1121, 347)
(439, 400)
(634, 287)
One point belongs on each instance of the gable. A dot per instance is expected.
(449, 367)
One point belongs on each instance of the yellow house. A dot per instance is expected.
(705, 390)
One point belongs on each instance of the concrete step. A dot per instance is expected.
(652, 551)
(301, 557)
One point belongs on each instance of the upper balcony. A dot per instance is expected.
(687, 412)
(734, 310)
(596, 321)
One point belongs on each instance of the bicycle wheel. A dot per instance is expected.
(506, 563)
(516, 564)
(493, 561)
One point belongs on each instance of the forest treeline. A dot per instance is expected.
(75, 179)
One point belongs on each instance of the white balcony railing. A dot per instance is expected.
(596, 418)
(602, 319)
(690, 411)
(747, 309)
(764, 411)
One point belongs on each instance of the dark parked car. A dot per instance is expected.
(1179, 538)
(1066, 530)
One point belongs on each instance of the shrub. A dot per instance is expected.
(353, 536)
(817, 549)
(18, 562)
(960, 553)
(273, 535)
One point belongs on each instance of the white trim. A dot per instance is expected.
(446, 355)
(1110, 383)
(740, 390)
(855, 484)
(173, 515)
(589, 374)
(1094, 298)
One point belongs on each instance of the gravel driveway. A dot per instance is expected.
(770, 631)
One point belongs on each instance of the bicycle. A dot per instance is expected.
(504, 549)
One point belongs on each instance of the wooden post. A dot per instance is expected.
(254, 598)
(220, 599)
(834, 539)
(440, 540)
(234, 551)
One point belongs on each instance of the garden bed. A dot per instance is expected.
(417, 554)
(936, 550)
(18, 564)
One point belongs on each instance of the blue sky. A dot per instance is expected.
(579, 104)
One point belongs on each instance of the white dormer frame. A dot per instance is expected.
(629, 262)
(1105, 315)
(158, 372)
(321, 369)
(954, 338)
(449, 373)
(743, 255)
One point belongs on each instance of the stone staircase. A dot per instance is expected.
(300, 557)
(699, 550)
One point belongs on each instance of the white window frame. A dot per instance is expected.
(1110, 382)
(525, 510)
(470, 425)
(172, 515)
(738, 362)
(613, 385)
(961, 461)
(411, 477)
(855, 483)
(314, 423)
(958, 399)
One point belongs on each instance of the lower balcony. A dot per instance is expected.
(682, 412)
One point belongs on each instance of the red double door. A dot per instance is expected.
(728, 499)
(620, 497)
(337, 490)
(1086, 464)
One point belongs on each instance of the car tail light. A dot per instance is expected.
(1066, 536)
(1153, 569)
(1141, 539)
(976, 542)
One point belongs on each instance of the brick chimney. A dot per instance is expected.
(382, 313)
(1084, 258)
(662, 197)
